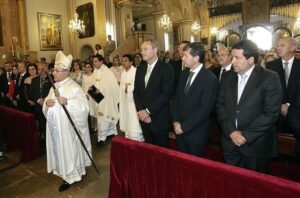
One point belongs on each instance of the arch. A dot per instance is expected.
(85, 51)
(260, 35)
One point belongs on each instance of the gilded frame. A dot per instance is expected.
(50, 32)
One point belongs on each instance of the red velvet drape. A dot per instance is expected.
(20, 132)
(140, 170)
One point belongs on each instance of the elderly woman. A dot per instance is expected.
(76, 72)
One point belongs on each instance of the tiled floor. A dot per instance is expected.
(32, 180)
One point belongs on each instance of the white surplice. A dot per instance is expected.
(66, 157)
(87, 82)
(129, 122)
(107, 109)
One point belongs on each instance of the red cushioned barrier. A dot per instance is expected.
(20, 132)
(140, 170)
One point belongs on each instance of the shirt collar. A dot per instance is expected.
(289, 61)
(153, 64)
(248, 73)
(197, 69)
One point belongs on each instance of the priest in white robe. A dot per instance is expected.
(66, 156)
(129, 122)
(107, 110)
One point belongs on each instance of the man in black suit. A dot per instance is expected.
(193, 102)
(177, 63)
(153, 88)
(38, 91)
(224, 60)
(19, 95)
(288, 69)
(248, 106)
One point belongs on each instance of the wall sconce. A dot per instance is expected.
(166, 23)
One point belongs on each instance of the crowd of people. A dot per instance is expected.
(151, 91)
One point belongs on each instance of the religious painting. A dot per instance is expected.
(50, 32)
(255, 11)
(1, 33)
(86, 14)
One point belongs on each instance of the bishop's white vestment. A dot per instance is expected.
(66, 157)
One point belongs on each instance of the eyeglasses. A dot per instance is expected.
(56, 71)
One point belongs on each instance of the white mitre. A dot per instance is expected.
(62, 61)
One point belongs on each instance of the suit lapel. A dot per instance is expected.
(293, 72)
(143, 74)
(233, 87)
(195, 82)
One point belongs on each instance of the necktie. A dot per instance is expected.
(147, 76)
(8, 76)
(286, 72)
(20, 79)
(188, 84)
(241, 85)
(223, 71)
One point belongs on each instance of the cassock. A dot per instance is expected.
(86, 83)
(129, 122)
(66, 157)
(107, 110)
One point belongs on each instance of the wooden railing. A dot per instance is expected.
(132, 44)
(286, 141)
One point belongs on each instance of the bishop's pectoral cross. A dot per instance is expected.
(126, 87)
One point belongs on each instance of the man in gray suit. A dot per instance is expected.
(248, 106)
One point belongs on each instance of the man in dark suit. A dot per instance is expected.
(38, 91)
(248, 106)
(153, 88)
(193, 102)
(288, 69)
(224, 60)
(19, 95)
(177, 64)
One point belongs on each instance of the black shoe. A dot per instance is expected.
(64, 186)
(101, 143)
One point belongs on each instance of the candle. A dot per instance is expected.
(12, 50)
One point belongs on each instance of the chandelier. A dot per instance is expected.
(76, 25)
(166, 23)
(195, 27)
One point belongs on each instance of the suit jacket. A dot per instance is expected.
(291, 93)
(177, 66)
(256, 112)
(217, 70)
(19, 90)
(193, 109)
(36, 92)
(155, 97)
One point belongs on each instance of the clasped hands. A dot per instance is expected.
(61, 101)
(237, 138)
(177, 128)
(144, 116)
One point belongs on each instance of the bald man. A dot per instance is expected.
(288, 68)
(224, 60)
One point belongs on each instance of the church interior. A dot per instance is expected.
(35, 29)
